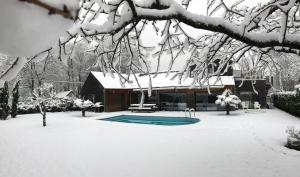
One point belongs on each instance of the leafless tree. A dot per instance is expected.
(237, 33)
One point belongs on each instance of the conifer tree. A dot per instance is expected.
(15, 100)
(4, 108)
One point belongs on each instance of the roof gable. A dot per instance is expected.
(112, 81)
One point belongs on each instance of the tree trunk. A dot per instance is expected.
(83, 112)
(142, 99)
(44, 119)
(227, 109)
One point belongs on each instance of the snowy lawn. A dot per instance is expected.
(239, 145)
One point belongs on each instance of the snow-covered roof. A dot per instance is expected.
(112, 81)
(64, 94)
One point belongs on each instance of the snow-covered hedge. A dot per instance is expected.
(58, 105)
(287, 101)
(88, 105)
(53, 105)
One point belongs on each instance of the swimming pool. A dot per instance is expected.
(154, 120)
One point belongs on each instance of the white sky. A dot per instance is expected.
(197, 6)
(150, 38)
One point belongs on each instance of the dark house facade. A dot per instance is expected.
(113, 99)
(252, 91)
(168, 95)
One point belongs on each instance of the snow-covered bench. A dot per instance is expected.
(145, 107)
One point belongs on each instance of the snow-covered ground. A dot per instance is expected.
(239, 145)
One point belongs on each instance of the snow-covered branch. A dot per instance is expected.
(238, 34)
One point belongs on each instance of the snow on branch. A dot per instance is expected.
(241, 35)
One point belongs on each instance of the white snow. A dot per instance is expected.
(243, 144)
(227, 98)
(27, 29)
(160, 81)
(65, 94)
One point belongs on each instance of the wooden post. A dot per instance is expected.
(83, 112)
(227, 109)
(44, 119)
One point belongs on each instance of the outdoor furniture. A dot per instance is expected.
(98, 107)
(145, 107)
(245, 105)
(256, 105)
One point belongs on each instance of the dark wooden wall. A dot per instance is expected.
(260, 86)
(116, 100)
(92, 87)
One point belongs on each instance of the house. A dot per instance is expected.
(250, 91)
(167, 93)
(65, 95)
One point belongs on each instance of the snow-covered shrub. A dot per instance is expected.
(27, 107)
(99, 107)
(293, 139)
(228, 100)
(52, 105)
(83, 104)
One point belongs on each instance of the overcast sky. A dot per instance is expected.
(197, 6)
(150, 38)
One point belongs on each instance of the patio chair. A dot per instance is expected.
(256, 105)
(245, 105)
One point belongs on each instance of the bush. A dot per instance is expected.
(289, 102)
(30, 106)
(293, 139)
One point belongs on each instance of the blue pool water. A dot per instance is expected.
(154, 120)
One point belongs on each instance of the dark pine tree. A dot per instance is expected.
(4, 108)
(15, 100)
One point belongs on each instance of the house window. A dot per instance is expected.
(151, 99)
(206, 102)
(173, 101)
(247, 97)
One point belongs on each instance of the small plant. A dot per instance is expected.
(83, 104)
(228, 100)
(293, 139)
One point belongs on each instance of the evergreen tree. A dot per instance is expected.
(15, 100)
(4, 108)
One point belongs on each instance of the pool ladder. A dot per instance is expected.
(189, 110)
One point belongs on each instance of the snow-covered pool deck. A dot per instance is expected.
(239, 145)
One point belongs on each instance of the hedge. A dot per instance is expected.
(287, 102)
(54, 105)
